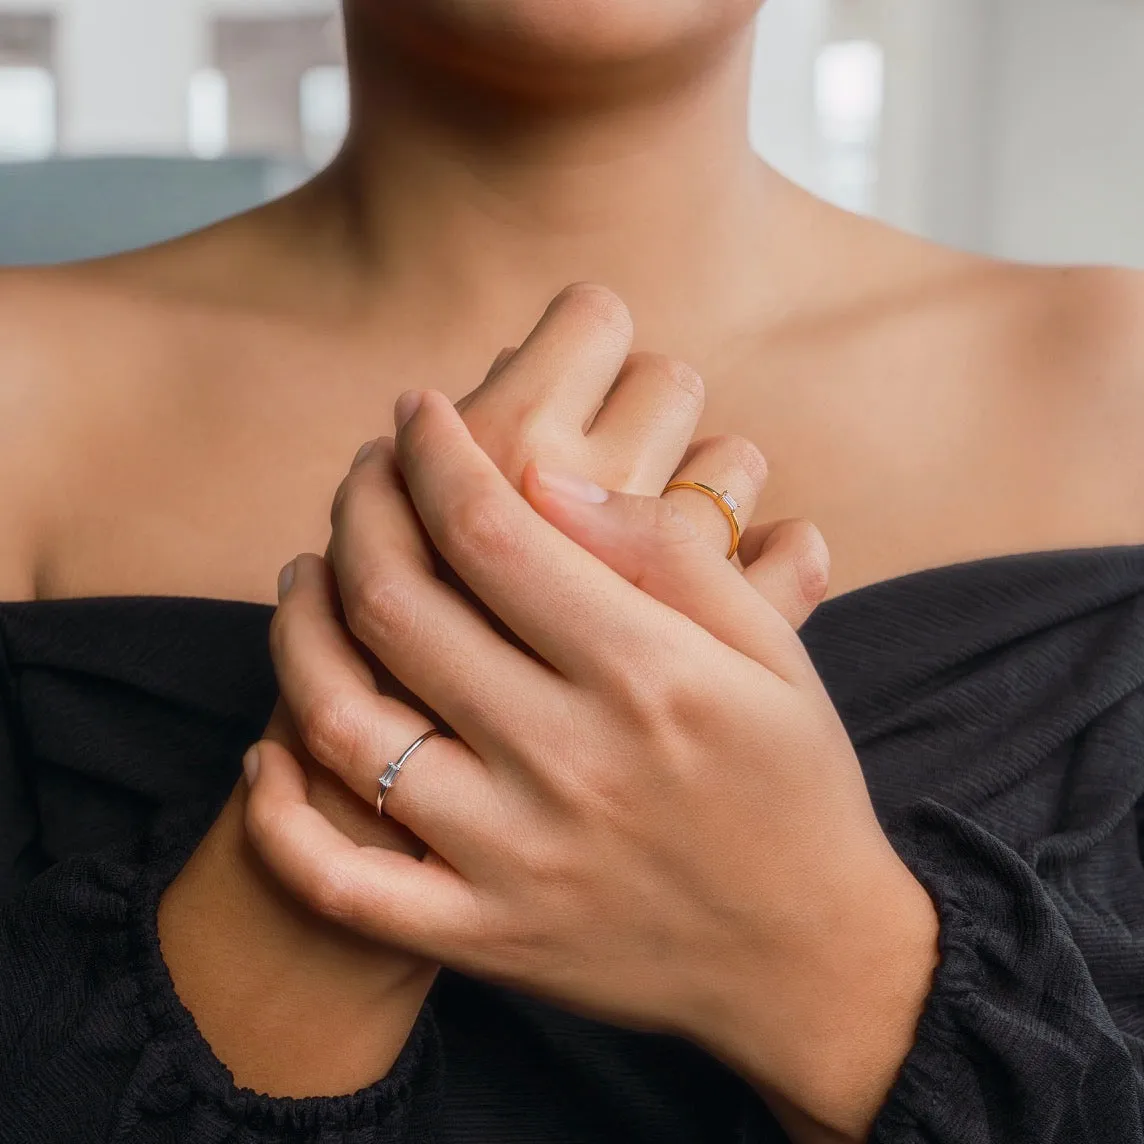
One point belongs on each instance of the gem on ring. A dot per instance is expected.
(389, 776)
(728, 506)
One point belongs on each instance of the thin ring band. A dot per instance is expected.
(389, 776)
(727, 505)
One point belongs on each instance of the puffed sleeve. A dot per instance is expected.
(94, 1042)
(1018, 1043)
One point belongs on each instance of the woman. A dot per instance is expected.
(964, 433)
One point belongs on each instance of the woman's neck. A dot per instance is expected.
(469, 211)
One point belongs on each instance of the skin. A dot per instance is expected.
(537, 404)
(919, 405)
(561, 879)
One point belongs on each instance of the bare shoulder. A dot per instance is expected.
(73, 345)
(1017, 394)
(1084, 324)
(1079, 323)
(1072, 363)
(1076, 343)
(121, 376)
(39, 345)
(1055, 333)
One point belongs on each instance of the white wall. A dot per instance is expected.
(1012, 126)
(123, 69)
(1069, 132)
(942, 58)
(790, 34)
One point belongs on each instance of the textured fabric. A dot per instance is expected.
(998, 710)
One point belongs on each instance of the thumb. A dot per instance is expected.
(654, 545)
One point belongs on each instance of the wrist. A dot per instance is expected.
(849, 1013)
(291, 1003)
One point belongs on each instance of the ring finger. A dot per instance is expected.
(646, 422)
(355, 731)
(735, 469)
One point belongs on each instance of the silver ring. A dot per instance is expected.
(389, 776)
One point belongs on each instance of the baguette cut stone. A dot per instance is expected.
(729, 501)
(389, 776)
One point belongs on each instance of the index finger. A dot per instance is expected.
(568, 363)
(558, 598)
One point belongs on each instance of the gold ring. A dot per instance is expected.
(727, 505)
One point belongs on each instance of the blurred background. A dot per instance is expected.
(1014, 127)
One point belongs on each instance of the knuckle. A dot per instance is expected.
(483, 530)
(600, 306)
(683, 382)
(328, 725)
(528, 418)
(332, 893)
(687, 383)
(744, 455)
(381, 609)
(532, 430)
(345, 497)
(265, 825)
(812, 562)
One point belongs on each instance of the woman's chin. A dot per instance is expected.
(579, 35)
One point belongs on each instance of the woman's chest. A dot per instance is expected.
(916, 456)
(219, 483)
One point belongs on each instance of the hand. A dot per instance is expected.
(630, 825)
(574, 395)
(356, 999)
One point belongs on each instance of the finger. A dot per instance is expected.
(355, 732)
(566, 366)
(382, 894)
(499, 362)
(649, 542)
(540, 584)
(788, 562)
(648, 419)
(727, 464)
(435, 642)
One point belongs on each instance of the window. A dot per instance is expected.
(207, 114)
(324, 105)
(849, 89)
(27, 113)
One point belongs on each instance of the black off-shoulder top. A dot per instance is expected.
(998, 710)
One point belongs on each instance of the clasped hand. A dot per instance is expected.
(650, 812)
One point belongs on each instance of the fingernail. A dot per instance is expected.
(574, 488)
(363, 452)
(407, 404)
(286, 580)
(250, 763)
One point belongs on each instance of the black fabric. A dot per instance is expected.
(997, 707)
